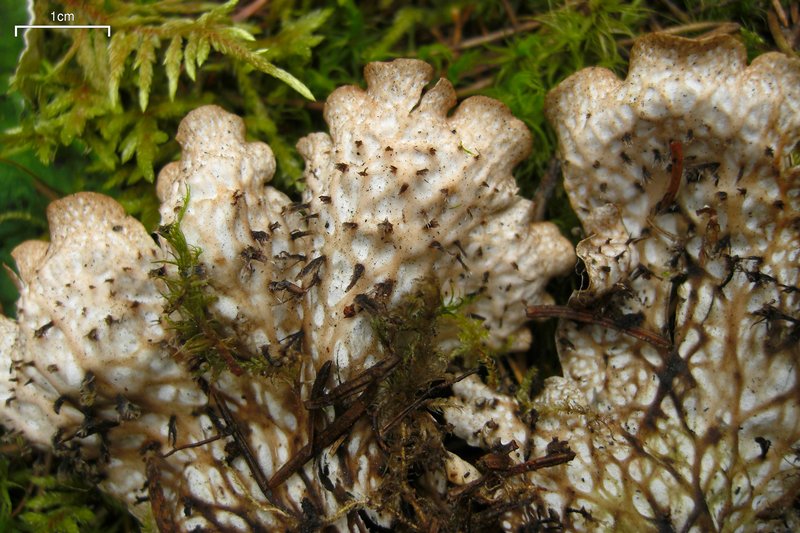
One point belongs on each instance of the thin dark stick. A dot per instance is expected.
(497, 35)
(324, 438)
(421, 399)
(553, 459)
(354, 385)
(676, 155)
(192, 445)
(366, 380)
(244, 447)
(541, 462)
(545, 189)
(40, 186)
(559, 311)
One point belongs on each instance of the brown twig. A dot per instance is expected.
(41, 187)
(725, 28)
(545, 189)
(255, 469)
(776, 5)
(158, 501)
(559, 311)
(248, 10)
(715, 28)
(366, 381)
(777, 34)
(512, 17)
(547, 461)
(324, 438)
(795, 11)
(417, 402)
(475, 87)
(676, 172)
(676, 12)
(497, 35)
(458, 25)
(197, 444)
(11, 449)
(354, 385)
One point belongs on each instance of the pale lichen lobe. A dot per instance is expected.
(682, 176)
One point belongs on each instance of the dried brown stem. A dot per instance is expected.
(324, 438)
(475, 87)
(248, 10)
(777, 34)
(545, 189)
(497, 35)
(368, 381)
(559, 311)
(353, 385)
(416, 403)
(547, 461)
(244, 447)
(776, 5)
(512, 17)
(676, 11)
(197, 444)
(40, 186)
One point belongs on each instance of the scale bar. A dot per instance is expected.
(66, 26)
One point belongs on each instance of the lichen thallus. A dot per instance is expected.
(628, 324)
(412, 363)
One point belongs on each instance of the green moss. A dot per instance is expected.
(205, 343)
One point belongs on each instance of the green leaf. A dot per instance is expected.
(203, 48)
(143, 141)
(5, 484)
(105, 156)
(128, 147)
(241, 33)
(227, 44)
(45, 150)
(88, 59)
(276, 72)
(145, 58)
(222, 11)
(172, 62)
(297, 37)
(121, 45)
(149, 137)
(190, 56)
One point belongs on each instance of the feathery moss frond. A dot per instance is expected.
(75, 82)
(199, 338)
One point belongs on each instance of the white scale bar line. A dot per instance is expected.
(68, 26)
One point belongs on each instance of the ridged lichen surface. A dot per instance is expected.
(685, 415)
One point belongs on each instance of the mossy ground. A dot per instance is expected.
(85, 113)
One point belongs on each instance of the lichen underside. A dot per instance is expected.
(683, 177)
